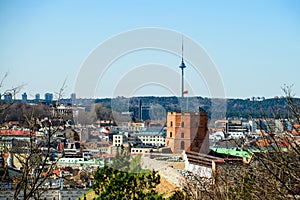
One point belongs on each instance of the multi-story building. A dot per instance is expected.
(73, 98)
(48, 98)
(221, 124)
(8, 97)
(253, 126)
(10, 138)
(119, 140)
(139, 139)
(187, 131)
(235, 126)
(135, 126)
(63, 110)
(24, 97)
(72, 150)
(151, 139)
(37, 98)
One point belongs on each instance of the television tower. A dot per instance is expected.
(182, 66)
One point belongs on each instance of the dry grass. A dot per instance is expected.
(165, 187)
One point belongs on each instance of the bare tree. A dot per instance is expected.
(86, 117)
(273, 172)
(36, 162)
(36, 157)
(13, 91)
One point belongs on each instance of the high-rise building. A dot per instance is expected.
(73, 98)
(145, 113)
(37, 98)
(48, 98)
(187, 131)
(8, 97)
(24, 97)
(140, 110)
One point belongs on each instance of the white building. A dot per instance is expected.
(119, 140)
(236, 135)
(142, 139)
(150, 139)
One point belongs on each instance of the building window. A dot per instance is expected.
(170, 134)
(182, 135)
(171, 124)
(182, 145)
(182, 124)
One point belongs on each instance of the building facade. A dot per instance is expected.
(8, 97)
(48, 98)
(119, 140)
(37, 98)
(186, 131)
(24, 97)
(235, 126)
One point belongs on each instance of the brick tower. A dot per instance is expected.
(187, 131)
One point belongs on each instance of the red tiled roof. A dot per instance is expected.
(56, 172)
(9, 132)
(295, 132)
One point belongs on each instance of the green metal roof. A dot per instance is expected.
(239, 152)
(234, 151)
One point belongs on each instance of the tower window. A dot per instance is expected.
(182, 145)
(182, 135)
(171, 124)
(170, 134)
(182, 124)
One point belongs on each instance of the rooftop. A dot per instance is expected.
(11, 132)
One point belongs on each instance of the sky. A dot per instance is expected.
(255, 45)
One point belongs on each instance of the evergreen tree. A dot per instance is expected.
(124, 179)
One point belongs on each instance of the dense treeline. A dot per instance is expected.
(236, 108)
(108, 109)
(22, 112)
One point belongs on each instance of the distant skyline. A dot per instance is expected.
(255, 45)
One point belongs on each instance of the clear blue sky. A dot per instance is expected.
(254, 44)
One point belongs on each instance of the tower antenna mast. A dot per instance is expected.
(182, 66)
